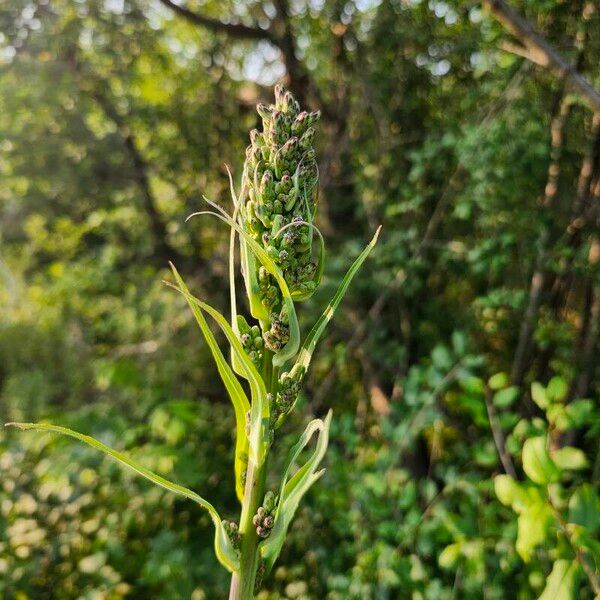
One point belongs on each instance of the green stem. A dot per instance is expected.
(243, 582)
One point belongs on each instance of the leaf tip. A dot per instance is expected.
(21, 426)
(376, 236)
(194, 214)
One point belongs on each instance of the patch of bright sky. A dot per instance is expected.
(114, 6)
(262, 65)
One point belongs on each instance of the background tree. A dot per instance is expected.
(445, 121)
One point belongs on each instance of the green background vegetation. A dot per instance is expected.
(116, 115)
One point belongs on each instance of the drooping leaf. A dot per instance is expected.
(228, 556)
(241, 404)
(293, 488)
(316, 332)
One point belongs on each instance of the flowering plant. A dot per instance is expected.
(282, 265)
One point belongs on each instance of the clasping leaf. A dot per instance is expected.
(293, 488)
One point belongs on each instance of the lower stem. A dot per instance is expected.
(244, 581)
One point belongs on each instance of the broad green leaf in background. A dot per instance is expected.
(557, 389)
(510, 492)
(579, 412)
(226, 553)
(238, 397)
(537, 463)
(563, 582)
(539, 396)
(498, 381)
(506, 397)
(450, 555)
(535, 518)
(584, 508)
(569, 458)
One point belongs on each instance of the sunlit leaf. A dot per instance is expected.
(316, 332)
(259, 409)
(537, 463)
(238, 397)
(224, 550)
(563, 582)
(294, 487)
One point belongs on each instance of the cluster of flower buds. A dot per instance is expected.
(289, 387)
(251, 340)
(233, 532)
(278, 335)
(280, 177)
(263, 519)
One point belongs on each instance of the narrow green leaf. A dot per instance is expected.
(237, 367)
(259, 409)
(293, 488)
(257, 310)
(240, 402)
(316, 332)
(224, 550)
(291, 348)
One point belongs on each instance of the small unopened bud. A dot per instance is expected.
(269, 501)
(266, 112)
(268, 522)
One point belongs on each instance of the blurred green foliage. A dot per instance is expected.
(117, 115)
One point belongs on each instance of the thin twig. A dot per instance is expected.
(499, 439)
(541, 52)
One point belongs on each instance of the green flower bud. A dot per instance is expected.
(269, 501)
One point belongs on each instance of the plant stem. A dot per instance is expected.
(242, 583)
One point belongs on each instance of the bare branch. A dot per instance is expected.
(498, 434)
(238, 30)
(541, 52)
